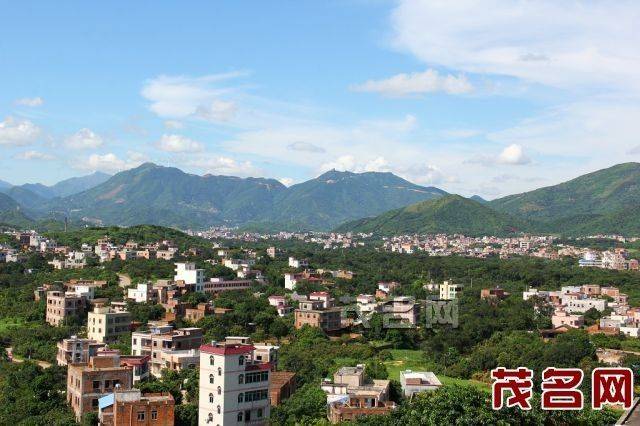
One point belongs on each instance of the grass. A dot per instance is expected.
(9, 322)
(407, 359)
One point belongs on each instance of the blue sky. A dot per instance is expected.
(491, 97)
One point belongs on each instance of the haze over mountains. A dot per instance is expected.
(604, 201)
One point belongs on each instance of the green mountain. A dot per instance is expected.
(478, 199)
(167, 196)
(449, 214)
(335, 197)
(11, 212)
(601, 192)
(32, 193)
(26, 197)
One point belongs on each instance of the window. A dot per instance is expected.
(219, 410)
(219, 390)
(211, 398)
(154, 415)
(211, 360)
(94, 403)
(140, 416)
(241, 379)
(240, 398)
(210, 417)
(259, 412)
(96, 384)
(219, 371)
(239, 417)
(211, 378)
(241, 360)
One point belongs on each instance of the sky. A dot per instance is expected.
(475, 97)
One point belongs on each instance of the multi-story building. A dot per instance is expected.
(561, 318)
(218, 285)
(168, 348)
(63, 306)
(143, 293)
(74, 350)
(283, 385)
(413, 382)
(234, 388)
(131, 407)
(312, 313)
(449, 290)
(351, 395)
(401, 310)
(106, 325)
(190, 275)
(88, 382)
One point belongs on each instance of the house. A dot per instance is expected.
(561, 317)
(87, 382)
(413, 382)
(449, 290)
(281, 387)
(313, 314)
(401, 309)
(234, 388)
(351, 395)
(143, 293)
(106, 324)
(496, 293)
(190, 275)
(385, 289)
(168, 348)
(295, 263)
(131, 407)
(63, 307)
(76, 350)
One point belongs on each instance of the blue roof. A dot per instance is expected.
(106, 401)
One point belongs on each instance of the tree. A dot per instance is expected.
(376, 370)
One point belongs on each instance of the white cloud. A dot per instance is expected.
(555, 43)
(513, 155)
(460, 133)
(183, 97)
(173, 124)
(17, 132)
(109, 162)
(34, 155)
(221, 165)
(84, 139)
(178, 143)
(30, 102)
(417, 83)
(217, 110)
(305, 147)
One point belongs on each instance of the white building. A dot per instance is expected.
(234, 388)
(583, 305)
(291, 280)
(418, 381)
(143, 293)
(449, 291)
(188, 273)
(295, 263)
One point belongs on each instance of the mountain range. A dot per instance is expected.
(606, 201)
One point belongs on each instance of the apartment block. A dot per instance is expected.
(234, 388)
(190, 275)
(168, 348)
(76, 350)
(105, 324)
(62, 306)
(88, 382)
(131, 407)
(312, 313)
